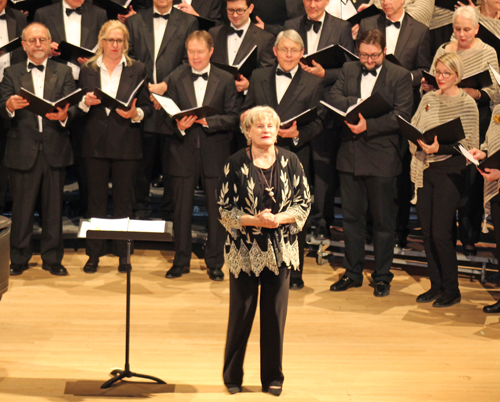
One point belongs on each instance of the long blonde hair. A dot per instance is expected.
(103, 34)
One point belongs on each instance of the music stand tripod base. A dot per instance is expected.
(121, 374)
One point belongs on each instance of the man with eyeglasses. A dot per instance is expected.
(199, 149)
(157, 37)
(289, 90)
(233, 42)
(369, 159)
(38, 150)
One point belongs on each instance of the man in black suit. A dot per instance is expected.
(410, 42)
(10, 28)
(318, 30)
(157, 37)
(38, 150)
(290, 91)
(369, 159)
(200, 149)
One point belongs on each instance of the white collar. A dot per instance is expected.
(100, 63)
(205, 70)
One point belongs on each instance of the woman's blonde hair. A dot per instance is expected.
(453, 62)
(260, 114)
(103, 34)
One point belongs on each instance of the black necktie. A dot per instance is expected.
(233, 31)
(279, 72)
(316, 25)
(196, 76)
(373, 72)
(164, 16)
(77, 10)
(3, 17)
(388, 23)
(31, 66)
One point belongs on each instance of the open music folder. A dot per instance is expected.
(72, 53)
(42, 106)
(113, 103)
(303, 118)
(490, 162)
(447, 133)
(245, 68)
(176, 113)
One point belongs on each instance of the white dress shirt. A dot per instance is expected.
(392, 35)
(368, 81)
(73, 31)
(159, 27)
(4, 39)
(200, 85)
(234, 42)
(313, 37)
(282, 83)
(343, 9)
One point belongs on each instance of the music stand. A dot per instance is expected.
(128, 237)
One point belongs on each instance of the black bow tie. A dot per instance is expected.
(316, 25)
(3, 17)
(196, 76)
(77, 10)
(373, 72)
(233, 31)
(31, 66)
(279, 72)
(388, 23)
(164, 16)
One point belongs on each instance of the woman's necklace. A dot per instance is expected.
(267, 187)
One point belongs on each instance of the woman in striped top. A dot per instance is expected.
(437, 173)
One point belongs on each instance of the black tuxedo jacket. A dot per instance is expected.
(214, 141)
(171, 54)
(210, 9)
(335, 32)
(413, 49)
(305, 91)
(254, 36)
(113, 136)
(16, 21)
(23, 138)
(376, 152)
(92, 20)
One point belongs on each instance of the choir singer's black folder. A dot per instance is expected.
(41, 106)
(374, 106)
(393, 60)
(11, 46)
(245, 68)
(116, 6)
(176, 113)
(476, 81)
(333, 56)
(113, 103)
(71, 53)
(367, 12)
(303, 118)
(447, 4)
(29, 5)
(447, 133)
(491, 162)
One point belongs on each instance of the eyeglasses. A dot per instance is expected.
(445, 74)
(33, 41)
(364, 56)
(285, 50)
(113, 41)
(239, 11)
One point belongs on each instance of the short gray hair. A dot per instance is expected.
(260, 114)
(289, 34)
(468, 12)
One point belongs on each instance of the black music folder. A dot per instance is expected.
(71, 53)
(476, 81)
(393, 60)
(176, 113)
(367, 12)
(29, 5)
(431, 80)
(303, 118)
(113, 103)
(495, 74)
(245, 68)
(490, 162)
(42, 106)
(447, 133)
(447, 4)
(370, 108)
(11, 46)
(116, 6)
(333, 56)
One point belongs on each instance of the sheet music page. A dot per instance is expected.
(136, 225)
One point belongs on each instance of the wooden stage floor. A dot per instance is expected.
(60, 338)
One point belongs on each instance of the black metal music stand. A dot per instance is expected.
(128, 237)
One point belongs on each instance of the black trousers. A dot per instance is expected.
(244, 293)
(359, 193)
(495, 217)
(25, 186)
(122, 172)
(4, 172)
(183, 201)
(437, 204)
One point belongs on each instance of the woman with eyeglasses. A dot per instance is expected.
(437, 171)
(111, 144)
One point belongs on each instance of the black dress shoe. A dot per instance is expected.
(233, 390)
(492, 308)
(273, 390)
(123, 267)
(321, 232)
(344, 283)
(296, 283)
(401, 242)
(382, 288)
(447, 301)
(18, 269)
(91, 266)
(428, 296)
(55, 269)
(176, 272)
(215, 274)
